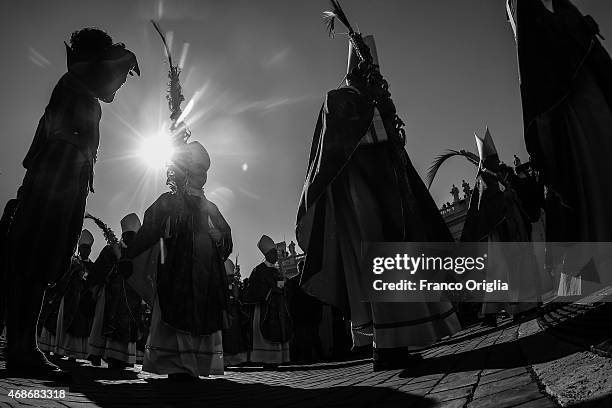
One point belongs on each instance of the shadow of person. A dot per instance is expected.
(221, 392)
(533, 349)
(476, 331)
(80, 371)
(126, 388)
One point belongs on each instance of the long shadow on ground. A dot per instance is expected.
(534, 349)
(218, 392)
(123, 388)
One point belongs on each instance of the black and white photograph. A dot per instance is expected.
(322, 203)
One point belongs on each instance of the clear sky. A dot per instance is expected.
(262, 69)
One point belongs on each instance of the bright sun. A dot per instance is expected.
(156, 151)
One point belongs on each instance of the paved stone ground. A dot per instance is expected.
(514, 365)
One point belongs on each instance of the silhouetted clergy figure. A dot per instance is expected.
(77, 306)
(66, 316)
(566, 90)
(59, 175)
(499, 213)
(117, 317)
(357, 190)
(266, 292)
(190, 300)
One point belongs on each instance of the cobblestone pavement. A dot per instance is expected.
(513, 365)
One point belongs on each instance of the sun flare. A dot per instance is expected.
(156, 151)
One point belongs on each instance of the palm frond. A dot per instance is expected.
(175, 91)
(438, 161)
(109, 235)
(163, 38)
(336, 12)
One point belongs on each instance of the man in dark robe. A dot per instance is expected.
(77, 306)
(502, 208)
(566, 91)
(271, 333)
(361, 187)
(59, 175)
(118, 309)
(67, 311)
(190, 300)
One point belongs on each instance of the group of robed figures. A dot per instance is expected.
(92, 312)
(360, 187)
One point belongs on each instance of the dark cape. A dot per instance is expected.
(191, 283)
(59, 175)
(485, 212)
(336, 156)
(503, 212)
(511, 210)
(261, 282)
(122, 307)
(566, 90)
(79, 304)
(275, 322)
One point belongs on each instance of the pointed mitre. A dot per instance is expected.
(229, 267)
(86, 238)
(353, 59)
(130, 223)
(265, 244)
(486, 147)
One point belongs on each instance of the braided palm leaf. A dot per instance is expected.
(109, 235)
(175, 91)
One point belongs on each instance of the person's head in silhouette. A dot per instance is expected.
(99, 63)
